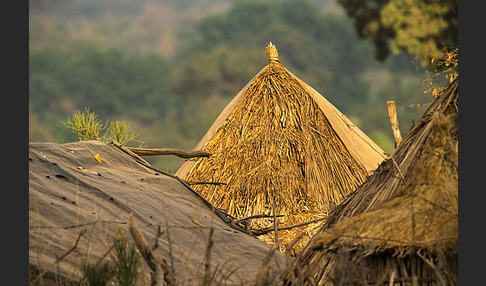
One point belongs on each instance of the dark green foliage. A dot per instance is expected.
(366, 14)
(106, 79)
(126, 263)
(410, 25)
(242, 26)
(98, 275)
(122, 270)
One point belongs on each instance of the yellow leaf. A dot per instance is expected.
(97, 158)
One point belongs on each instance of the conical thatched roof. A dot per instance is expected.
(406, 209)
(279, 139)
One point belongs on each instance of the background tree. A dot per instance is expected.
(420, 27)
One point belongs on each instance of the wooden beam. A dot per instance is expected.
(392, 113)
(169, 151)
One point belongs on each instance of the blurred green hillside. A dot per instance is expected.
(168, 68)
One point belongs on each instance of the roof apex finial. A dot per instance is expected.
(272, 52)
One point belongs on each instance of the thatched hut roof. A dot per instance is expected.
(406, 209)
(280, 140)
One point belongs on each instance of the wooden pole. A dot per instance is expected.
(392, 113)
(168, 151)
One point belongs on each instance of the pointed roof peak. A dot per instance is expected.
(272, 52)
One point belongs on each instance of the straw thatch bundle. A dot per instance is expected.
(402, 220)
(280, 141)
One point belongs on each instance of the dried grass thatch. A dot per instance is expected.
(403, 214)
(279, 140)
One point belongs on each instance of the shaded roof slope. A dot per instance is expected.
(69, 191)
(425, 209)
(395, 171)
